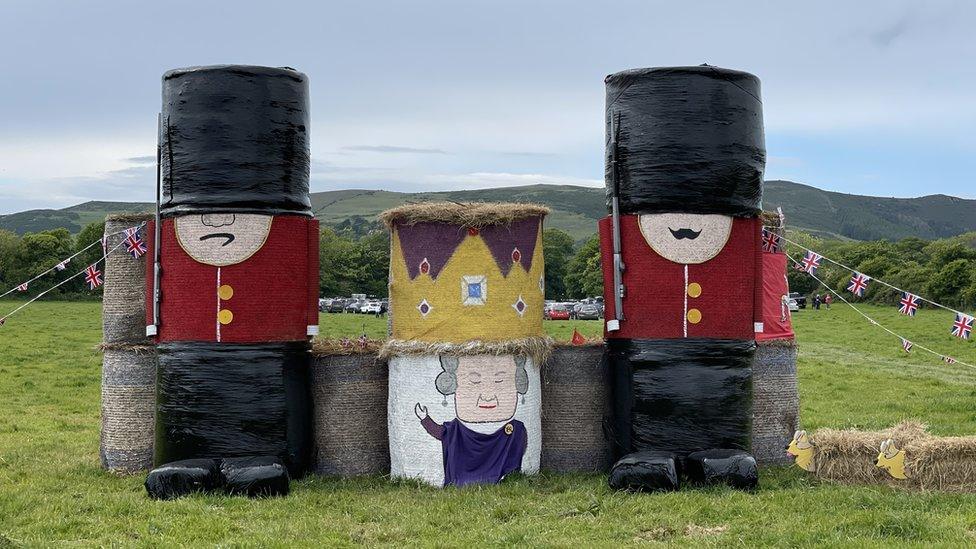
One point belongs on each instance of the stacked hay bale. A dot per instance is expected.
(775, 393)
(349, 394)
(576, 410)
(239, 285)
(849, 456)
(682, 265)
(466, 300)
(129, 359)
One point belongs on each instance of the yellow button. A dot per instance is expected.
(694, 289)
(694, 316)
(225, 292)
(225, 316)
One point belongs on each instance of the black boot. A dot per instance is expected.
(735, 468)
(179, 478)
(258, 476)
(645, 472)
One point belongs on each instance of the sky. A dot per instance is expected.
(868, 97)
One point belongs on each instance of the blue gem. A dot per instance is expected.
(474, 289)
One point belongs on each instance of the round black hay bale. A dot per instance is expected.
(775, 400)
(575, 409)
(124, 293)
(349, 399)
(128, 408)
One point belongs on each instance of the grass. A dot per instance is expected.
(52, 491)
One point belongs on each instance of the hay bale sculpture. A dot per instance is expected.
(238, 285)
(682, 266)
(128, 359)
(905, 456)
(466, 300)
(775, 393)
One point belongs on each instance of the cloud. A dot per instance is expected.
(392, 149)
(884, 36)
(483, 180)
(141, 160)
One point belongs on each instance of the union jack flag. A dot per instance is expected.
(906, 345)
(3, 321)
(22, 287)
(93, 277)
(963, 326)
(948, 360)
(810, 263)
(909, 304)
(134, 244)
(363, 341)
(62, 266)
(770, 241)
(859, 283)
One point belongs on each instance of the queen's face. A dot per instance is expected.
(686, 238)
(222, 239)
(486, 389)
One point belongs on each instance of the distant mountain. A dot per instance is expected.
(576, 210)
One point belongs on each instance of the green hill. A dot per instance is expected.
(576, 210)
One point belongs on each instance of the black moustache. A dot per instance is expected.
(228, 236)
(684, 233)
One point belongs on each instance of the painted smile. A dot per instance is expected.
(487, 404)
(683, 233)
(228, 236)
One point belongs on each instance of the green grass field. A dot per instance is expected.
(52, 491)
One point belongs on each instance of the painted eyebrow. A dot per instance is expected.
(501, 372)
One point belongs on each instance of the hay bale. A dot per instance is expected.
(128, 408)
(124, 294)
(575, 409)
(849, 456)
(775, 400)
(349, 396)
(940, 463)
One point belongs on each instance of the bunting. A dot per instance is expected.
(770, 241)
(858, 283)
(906, 345)
(963, 326)
(810, 263)
(908, 304)
(93, 277)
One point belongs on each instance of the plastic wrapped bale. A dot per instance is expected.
(123, 295)
(128, 407)
(239, 262)
(685, 156)
(576, 410)
(466, 299)
(349, 395)
(775, 400)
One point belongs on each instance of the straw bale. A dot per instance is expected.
(469, 214)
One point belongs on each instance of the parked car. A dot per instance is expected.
(324, 304)
(336, 305)
(588, 311)
(801, 300)
(792, 305)
(353, 306)
(371, 308)
(557, 312)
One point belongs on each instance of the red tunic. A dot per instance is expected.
(271, 296)
(662, 301)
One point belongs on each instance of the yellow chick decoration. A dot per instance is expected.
(892, 460)
(803, 451)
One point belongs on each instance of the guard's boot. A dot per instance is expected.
(735, 468)
(258, 476)
(645, 472)
(179, 478)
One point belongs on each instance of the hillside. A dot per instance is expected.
(576, 210)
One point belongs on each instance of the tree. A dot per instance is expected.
(373, 262)
(337, 264)
(584, 277)
(557, 246)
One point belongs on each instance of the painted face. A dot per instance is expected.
(222, 239)
(686, 238)
(486, 389)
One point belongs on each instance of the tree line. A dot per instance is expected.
(355, 258)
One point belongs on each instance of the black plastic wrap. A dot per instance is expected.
(218, 400)
(259, 476)
(184, 477)
(690, 139)
(681, 395)
(235, 138)
(734, 468)
(646, 472)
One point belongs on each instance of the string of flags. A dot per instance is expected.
(906, 344)
(908, 304)
(135, 245)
